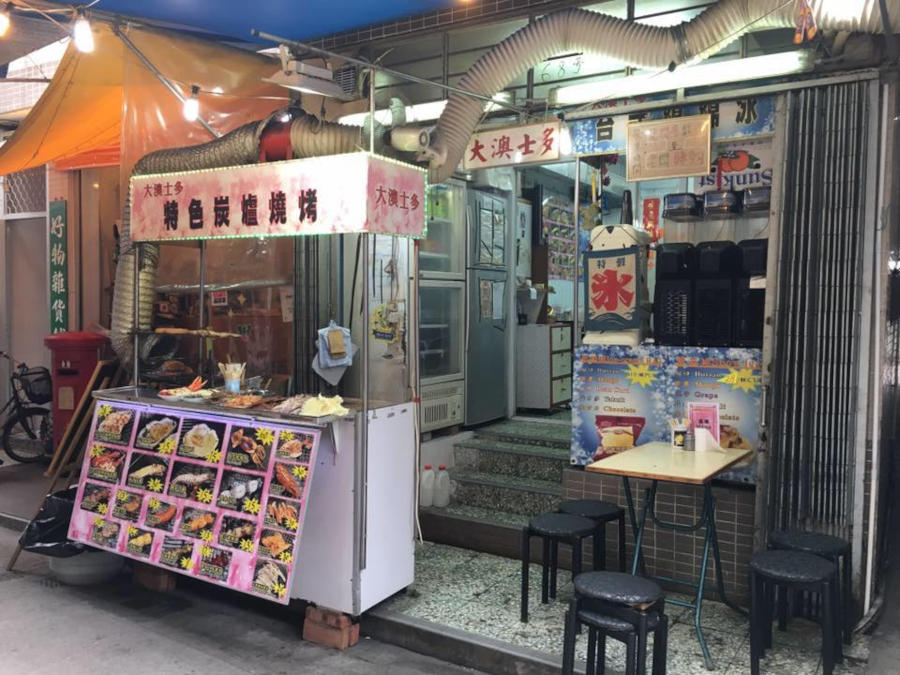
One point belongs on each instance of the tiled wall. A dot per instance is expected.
(678, 554)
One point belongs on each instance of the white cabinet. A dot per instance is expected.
(543, 365)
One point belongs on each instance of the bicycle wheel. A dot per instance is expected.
(28, 436)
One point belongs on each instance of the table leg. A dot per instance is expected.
(720, 579)
(698, 599)
(649, 497)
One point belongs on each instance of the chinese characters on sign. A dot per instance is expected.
(668, 148)
(612, 291)
(514, 145)
(354, 192)
(59, 268)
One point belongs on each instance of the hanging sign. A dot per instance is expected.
(215, 498)
(513, 145)
(612, 292)
(738, 165)
(742, 118)
(668, 148)
(59, 268)
(353, 192)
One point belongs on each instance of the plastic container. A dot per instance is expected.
(426, 487)
(442, 487)
(87, 569)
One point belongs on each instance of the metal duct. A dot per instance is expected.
(634, 44)
(309, 137)
(817, 330)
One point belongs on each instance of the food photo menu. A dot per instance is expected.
(211, 497)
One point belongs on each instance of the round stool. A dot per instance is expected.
(778, 570)
(836, 550)
(552, 528)
(620, 606)
(601, 513)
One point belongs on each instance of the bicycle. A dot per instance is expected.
(27, 434)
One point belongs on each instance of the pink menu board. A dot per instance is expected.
(215, 498)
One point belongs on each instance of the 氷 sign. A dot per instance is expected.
(612, 292)
(353, 192)
(513, 145)
(58, 268)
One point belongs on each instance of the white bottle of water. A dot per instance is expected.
(442, 487)
(426, 487)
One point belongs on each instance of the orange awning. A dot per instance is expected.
(106, 107)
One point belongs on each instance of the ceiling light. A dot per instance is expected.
(81, 33)
(707, 74)
(5, 19)
(285, 117)
(191, 109)
(305, 78)
(565, 140)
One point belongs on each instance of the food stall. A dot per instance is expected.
(278, 492)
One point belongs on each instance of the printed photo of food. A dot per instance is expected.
(147, 472)
(95, 498)
(237, 533)
(249, 447)
(299, 448)
(192, 481)
(194, 522)
(106, 534)
(153, 429)
(272, 544)
(270, 578)
(106, 464)
(160, 515)
(128, 505)
(114, 425)
(201, 440)
(177, 553)
(283, 514)
(214, 563)
(288, 480)
(240, 492)
(139, 542)
(617, 433)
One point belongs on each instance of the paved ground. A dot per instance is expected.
(48, 628)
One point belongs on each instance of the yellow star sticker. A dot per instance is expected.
(185, 563)
(213, 456)
(206, 535)
(155, 485)
(96, 450)
(741, 378)
(206, 551)
(104, 410)
(132, 530)
(286, 557)
(102, 508)
(300, 472)
(204, 495)
(247, 545)
(251, 505)
(286, 436)
(98, 521)
(153, 504)
(640, 374)
(167, 447)
(121, 495)
(291, 523)
(278, 589)
(265, 436)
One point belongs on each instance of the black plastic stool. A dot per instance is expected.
(779, 570)
(621, 606)
(552, 528)
(836, 550)
(601, 513)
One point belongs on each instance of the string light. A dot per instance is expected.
(5, 19)
(191, 109)
(82, 34)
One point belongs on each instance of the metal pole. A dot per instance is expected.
(201, 310)
(387, 71)
(162, 78)
(137, 318)
(576, 323)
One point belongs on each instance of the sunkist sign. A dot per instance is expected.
(354, 192)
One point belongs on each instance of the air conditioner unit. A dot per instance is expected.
(441, 406)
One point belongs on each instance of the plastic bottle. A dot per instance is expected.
(426, 487)
(442, 487)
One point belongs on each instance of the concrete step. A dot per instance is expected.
(488, 455)
(528, 433)
(511, 494)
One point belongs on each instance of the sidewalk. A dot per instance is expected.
(49, 628)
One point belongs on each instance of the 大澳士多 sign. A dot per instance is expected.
(353, 192)
(513, 145)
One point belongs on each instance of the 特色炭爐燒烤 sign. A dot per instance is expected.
(353, 192)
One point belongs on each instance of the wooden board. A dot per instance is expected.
(661, 461)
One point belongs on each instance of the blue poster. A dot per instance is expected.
(625, 396)
(745, 117)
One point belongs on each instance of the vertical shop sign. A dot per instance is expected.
(59, 268)
(612, 293)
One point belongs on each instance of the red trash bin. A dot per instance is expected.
(74, 355)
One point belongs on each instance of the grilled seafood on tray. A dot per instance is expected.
(161, 516)
(106, 463)
(246, 451)
(285, 483)
(145, 467)
(235, 530)
(94, 496)
(176, 553)
(113, 425)
(200, 440)
(267, 575)
(155, 432)
(273, 544)
(194, 521)
(192, 481)
(282, 514)
(237, 487)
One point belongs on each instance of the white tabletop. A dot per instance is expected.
(662, 461)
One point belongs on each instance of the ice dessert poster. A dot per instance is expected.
(618, 400)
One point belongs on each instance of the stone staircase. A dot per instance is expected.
(508, 472)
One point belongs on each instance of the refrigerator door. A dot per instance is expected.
(488, 225)
(442, 252)
(441, 330)
(486, 346)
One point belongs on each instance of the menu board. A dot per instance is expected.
(668, 148)
(215, 498)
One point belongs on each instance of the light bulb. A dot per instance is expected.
(191, 109)
(81, 33)
(565, 140)
(5, 18)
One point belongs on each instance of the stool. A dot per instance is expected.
(794, 571)
(601, 513)
(620, 606)
(836, 550)
(552, 528)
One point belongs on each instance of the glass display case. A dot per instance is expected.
(441, 254)
(441, 330)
